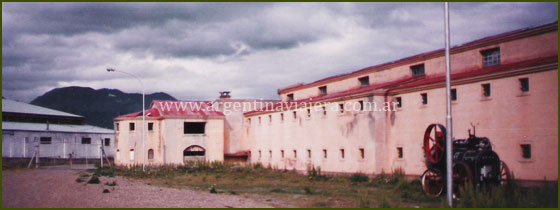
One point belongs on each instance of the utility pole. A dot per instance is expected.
(449, 118)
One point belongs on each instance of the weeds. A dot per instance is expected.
(358, 177)
(94, 180)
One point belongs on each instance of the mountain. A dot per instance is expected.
(99, 107)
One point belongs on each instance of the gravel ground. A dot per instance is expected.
(57, 187)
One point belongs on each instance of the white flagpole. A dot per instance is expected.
(449, 136)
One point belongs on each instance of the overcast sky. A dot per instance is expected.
(194, 50)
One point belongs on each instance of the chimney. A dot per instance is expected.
(225, 94)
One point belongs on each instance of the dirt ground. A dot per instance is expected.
(57, 187)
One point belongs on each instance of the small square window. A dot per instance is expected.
(524, 82)
(526, 151)
(308, 113)
(342, 153)
(424, 98)
(117, 126)
(45, 140)
(324, 110)
(281, 116)
(150, 126)
(325, 153)
(490, 57)
(194, 127)
(295, 153)
(86, 140)
(453, 94)
(107, 142)
(131, 126)
(399, 152)
(486, 91)
(295, 114)
(417, 70)
(362, 154)
(150, 154)
(323, 90)
(290, 97)
(364, 81)
(282, 153)
(309, 153)
(341, 108)
(399, 102)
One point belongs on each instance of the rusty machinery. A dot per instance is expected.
(474, 162)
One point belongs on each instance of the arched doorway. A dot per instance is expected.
(194, 153)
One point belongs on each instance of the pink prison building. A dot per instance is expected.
(505, 84)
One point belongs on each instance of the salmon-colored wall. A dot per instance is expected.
(511, 51)
(168, 141)
(508, 118)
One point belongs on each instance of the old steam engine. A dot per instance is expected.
(474, 162)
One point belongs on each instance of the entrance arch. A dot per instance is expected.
(194, 153)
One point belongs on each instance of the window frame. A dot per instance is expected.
(490, 58)
(364, 81)
(418, 70)
(197, 131)
(43, 140)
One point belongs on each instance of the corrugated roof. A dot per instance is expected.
(21, 126)
(25, 108)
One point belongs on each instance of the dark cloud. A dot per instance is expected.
(194, 50)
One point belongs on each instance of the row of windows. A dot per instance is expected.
(85, 140)
(525, 153)
(325, 154)
(308, 112)
(188, 127)
(486, 91)
(490, 57)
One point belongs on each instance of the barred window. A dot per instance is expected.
(491, 57)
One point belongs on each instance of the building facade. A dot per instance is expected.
(53, 133)
(506, 85)
(175, 133)
(373, 120)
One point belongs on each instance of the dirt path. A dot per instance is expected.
(57, 187)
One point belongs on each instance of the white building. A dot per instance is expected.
(57, 134)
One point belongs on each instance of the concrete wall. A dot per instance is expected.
(508, 118)
(168, 141)
(22, 144)
(350, 131)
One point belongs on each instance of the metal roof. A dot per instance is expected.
(25, 108)
(21, 126)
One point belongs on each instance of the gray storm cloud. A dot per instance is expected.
(194, 50)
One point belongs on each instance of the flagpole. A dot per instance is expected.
(449, 125)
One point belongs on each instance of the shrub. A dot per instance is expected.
(358, 177)
(94, 180)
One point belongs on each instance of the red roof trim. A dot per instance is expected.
(503, 37)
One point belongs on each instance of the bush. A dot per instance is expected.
(315, 174)
(358, 177)
(511, 197)
(94, 180)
